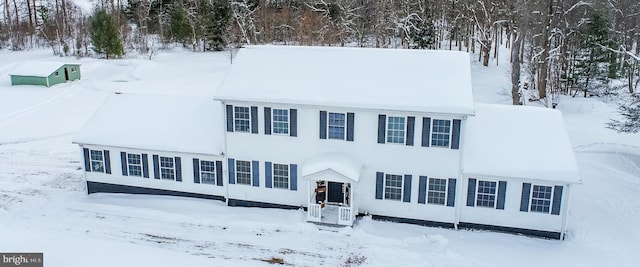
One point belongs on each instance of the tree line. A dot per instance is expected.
(557, 47)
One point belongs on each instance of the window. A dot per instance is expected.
(57, 73)
(134, 164)
(393, 187)
(440, 133)
(486, 194)
(280, 121)
(208, 172)
(243, 172)
(281, 176)
(336, 125)
(167, 168)
(396, 129)
(437, 189)
(97, 160)
(241, 119)
(73, 69)
(541, 198)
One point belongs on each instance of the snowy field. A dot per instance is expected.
(44, 206)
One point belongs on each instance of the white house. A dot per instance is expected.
(341, 132)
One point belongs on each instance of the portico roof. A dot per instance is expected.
(340, 163)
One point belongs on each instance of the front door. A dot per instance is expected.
(335, 193)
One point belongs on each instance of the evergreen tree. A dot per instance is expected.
(214, 17)
(104, 35)
(181, 30)
(424, 37)
(630, 112)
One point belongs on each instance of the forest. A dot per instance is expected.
(579, 48)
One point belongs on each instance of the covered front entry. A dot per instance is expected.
(332, 179)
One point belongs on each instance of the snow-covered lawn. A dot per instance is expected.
(44, 206)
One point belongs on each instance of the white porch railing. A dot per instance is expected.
(345, 216)
(314, 213)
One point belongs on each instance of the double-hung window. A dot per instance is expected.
(134, 164)
(437, 191)
(396, 127)
(393, 187)
(97, 160)
(336, 125)
(541, 198)
(243, 172)
(441, 133)
(281, 176)
(242, 117)
(281, 121)
(167, 168)
(486, 196)
(208, 172)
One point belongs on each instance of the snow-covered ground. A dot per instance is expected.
(44, 206)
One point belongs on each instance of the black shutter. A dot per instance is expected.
(229, 118)
(255, 173)
(145, 165)
(411, 122)
(451, 192)
(323, 124)
(107, 162)
(455, 135)
(254, 120)
(156, 167)
(123, 163)
(178, 169)
(382, 127)
(407, 188)
(219, 173)
(293, 173)
(557, 200)
(502, 191)
(350, 125)
(267, 174)
(196, 171)
(267, 120)
(471, 193)
(379, 184)
(524, 199)
(232, 171)
(293, 122)
(87, 160)
(422, 190)
(426, 131)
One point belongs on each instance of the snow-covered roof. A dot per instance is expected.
(189, 124)
(519, 142)
(336, 161)
(387, 79)
(38, 68)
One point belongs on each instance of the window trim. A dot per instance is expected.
(550, 199)
(162, 169)
(202, 180)
(432, 132)
(273, 120)
(344, 126)
(273, 176)
(235, 118)
(495, 195)
(236, 170)
(404, 131)
(446, 191)
(91, 161)
(384, 187)
(129, 164)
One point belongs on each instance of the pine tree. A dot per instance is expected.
(104, 35)
(214, 17)
(630, 112)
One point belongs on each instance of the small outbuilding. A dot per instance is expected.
(44, 73)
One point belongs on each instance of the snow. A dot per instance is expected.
(339, 162)
(519, 141)
(363, 78)
(44, 206)
(37, 68)
(157, 122)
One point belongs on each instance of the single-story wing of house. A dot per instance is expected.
(45, 73)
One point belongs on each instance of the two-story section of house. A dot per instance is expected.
(347, 131)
